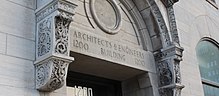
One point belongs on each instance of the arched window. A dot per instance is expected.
(208, 58)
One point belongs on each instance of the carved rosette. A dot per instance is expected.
(52, 53)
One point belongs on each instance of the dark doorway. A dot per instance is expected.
(100, 86)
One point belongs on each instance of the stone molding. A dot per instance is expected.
(102, 26)
(52, 44)
(173, 27)
(161, 23)
(55, 5)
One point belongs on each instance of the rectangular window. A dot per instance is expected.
(213, 3)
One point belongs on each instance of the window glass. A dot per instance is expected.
(208, 59)
(210, 90)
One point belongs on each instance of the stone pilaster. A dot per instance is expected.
(52, 44)
(168, 68)
(168, 59)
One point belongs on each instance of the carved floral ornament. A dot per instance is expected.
(51, 73)
(52, 53)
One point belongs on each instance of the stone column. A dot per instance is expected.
(168, 59)
(52, 43)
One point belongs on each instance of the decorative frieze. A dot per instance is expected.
(52, 53)
(56, 5)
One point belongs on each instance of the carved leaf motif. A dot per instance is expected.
(58, 74)
(44, 37)
(165, 74)
(61, 35)
(51, 74)
(42, 73)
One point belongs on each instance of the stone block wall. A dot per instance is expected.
(141, 85)
(195, 19)
(17, 48)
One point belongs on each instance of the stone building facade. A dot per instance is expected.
(109, 48)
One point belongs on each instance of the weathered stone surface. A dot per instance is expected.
(19, 22)
(3, 43)
(18, 47)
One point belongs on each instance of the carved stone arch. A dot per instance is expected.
(152, 29)
(150, 23)
(52, 57)
(166, 45)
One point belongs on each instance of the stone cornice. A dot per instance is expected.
(57, 5)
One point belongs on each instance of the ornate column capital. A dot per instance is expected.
(52, 44)
(169, 3)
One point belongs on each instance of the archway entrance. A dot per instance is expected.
(92, 86)
(90, 76)
(116, 49)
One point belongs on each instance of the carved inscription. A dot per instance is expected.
(89, 43)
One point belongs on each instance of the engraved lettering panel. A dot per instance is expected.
(101, 47)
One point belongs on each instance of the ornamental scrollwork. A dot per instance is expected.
(166, 92)
(42, 73)
(165, 73)
(44, 36)
(55, 79)
(59, 72)
(61, 35)
(52, 60)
